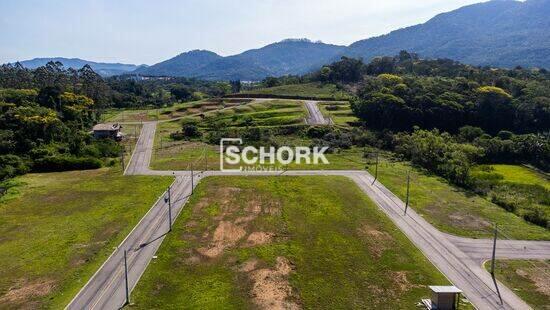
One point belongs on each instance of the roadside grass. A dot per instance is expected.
(451, 209)
(178, 110)
(311, 90)
(529, 279)
(518, 189)
(340, 112)
(56, 229)
(316, 242)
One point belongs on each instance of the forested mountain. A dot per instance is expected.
(503, 33)
(292, 56)
(101, 68)
(500, 33)
(185, 64)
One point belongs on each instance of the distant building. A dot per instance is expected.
(107, 130)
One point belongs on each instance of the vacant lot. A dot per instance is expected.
(56, 229)
(310, 90)
(265, 113)
(517, 189)
(530, 279)
(284, 242)
(339, 111)
(177, 110)
(451, 209)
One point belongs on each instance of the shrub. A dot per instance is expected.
(332, 108)
(11, 165)
(65, 163)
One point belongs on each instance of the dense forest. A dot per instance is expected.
(447, 117)
(46, 113)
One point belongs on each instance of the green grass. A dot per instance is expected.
(311, 90)
(57, 228)
(342, 115)
(257, 114)
(176, 111)
(451, 209)
(517, 189)
(529, 279)
(344, 252)
(517, 174)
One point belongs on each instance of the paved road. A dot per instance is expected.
(459, 259)
(315, 115)
(106, 289)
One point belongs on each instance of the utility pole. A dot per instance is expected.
(408, 186)
(205, 159)
(376, 170)
(169, 200)
(126, 279)
(493, 256)
(494, 251)
(192, 180)
(122, 159)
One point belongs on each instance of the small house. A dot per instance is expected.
(107, 130)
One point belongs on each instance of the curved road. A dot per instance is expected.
(459, 259)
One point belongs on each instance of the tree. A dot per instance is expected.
(494, 109)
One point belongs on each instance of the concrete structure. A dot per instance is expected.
(443, 298)
(107, 130)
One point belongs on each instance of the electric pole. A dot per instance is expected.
(192, 180)
(169, 200)
(126, 279)
(375, 170)
(494, 251)
(122, 159)
(408, 186)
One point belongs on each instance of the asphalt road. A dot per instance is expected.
(459, 259)
(315, 115)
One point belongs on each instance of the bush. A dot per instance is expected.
(65, 163)
(11, 165)
(332, 108)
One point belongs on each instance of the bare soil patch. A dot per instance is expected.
(541, 281)
(25, 291)
(270, 288)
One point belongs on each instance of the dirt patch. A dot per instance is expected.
(468, 221)
(258, 238)
(401, 282)
(24, 291)
(249, 265)
(541, 281)
(270, 288)
(226, 235)
(377, 241)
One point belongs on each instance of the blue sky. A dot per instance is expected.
(140, 31)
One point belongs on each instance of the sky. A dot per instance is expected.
(150, 31)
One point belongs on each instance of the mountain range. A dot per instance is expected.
(500, 33)
(101, 68)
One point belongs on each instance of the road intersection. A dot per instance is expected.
(459, 259)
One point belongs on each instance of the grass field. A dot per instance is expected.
(56, 229)
(175, 111)
(311, 90)
(339, 112)
(266, 113)
(451, 209)
(313, 242)
(529, 279)
(517, 189)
